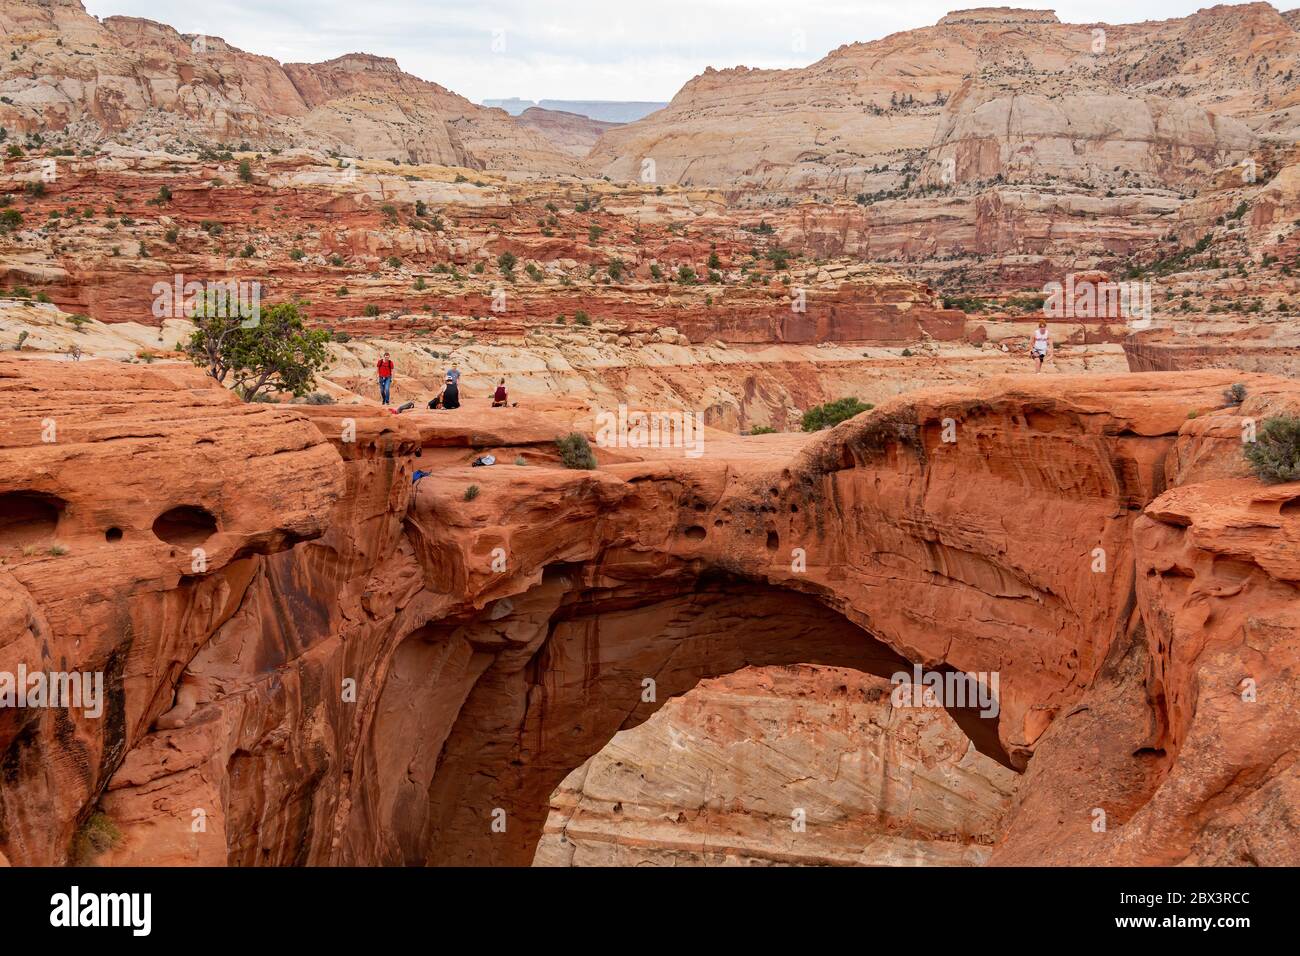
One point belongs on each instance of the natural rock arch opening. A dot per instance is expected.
(508, 702)
(785, 765)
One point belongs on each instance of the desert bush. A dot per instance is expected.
(832, 413)
(575, 452)
(1274, 455)
(97, 835)
(471, 492)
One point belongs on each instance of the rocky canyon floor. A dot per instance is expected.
(330, 631)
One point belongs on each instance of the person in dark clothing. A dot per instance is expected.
(451, 394)
(449, 397)
(499, 399)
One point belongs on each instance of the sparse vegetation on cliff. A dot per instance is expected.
(276, 353)
(1274, 455)
(832, 413)
(575, 452)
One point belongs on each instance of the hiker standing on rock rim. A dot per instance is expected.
(385, 369)
(1041, 346)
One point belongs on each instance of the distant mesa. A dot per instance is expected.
(514, 105)
(608, 111)
(572, 133)
(999, 15)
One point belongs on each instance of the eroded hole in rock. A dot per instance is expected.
(185, 526)
(113, 535)
(695, 533)
(28, 518)
(773, 540)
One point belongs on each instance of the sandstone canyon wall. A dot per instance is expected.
(365, 671)
(1155, 98)
(145, 84)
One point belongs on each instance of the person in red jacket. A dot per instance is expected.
(499, 396)
(385, 369)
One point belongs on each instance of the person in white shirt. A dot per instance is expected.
(1041, 346)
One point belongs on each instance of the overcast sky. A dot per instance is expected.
(577, 49)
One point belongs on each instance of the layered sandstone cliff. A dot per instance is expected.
(71, 77)
(573, 133)
(1074, 100)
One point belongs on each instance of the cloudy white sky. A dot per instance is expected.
(578, 49)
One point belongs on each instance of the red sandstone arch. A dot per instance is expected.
(574, 676)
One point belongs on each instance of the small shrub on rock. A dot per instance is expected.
(832, 413)
(1274, 455)
(575, 452)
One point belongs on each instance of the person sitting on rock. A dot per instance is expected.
(451, 394)
(449, 397)
(499, 399)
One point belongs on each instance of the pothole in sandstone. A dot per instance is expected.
(28, 518)
(185, 526)
(793, 765)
